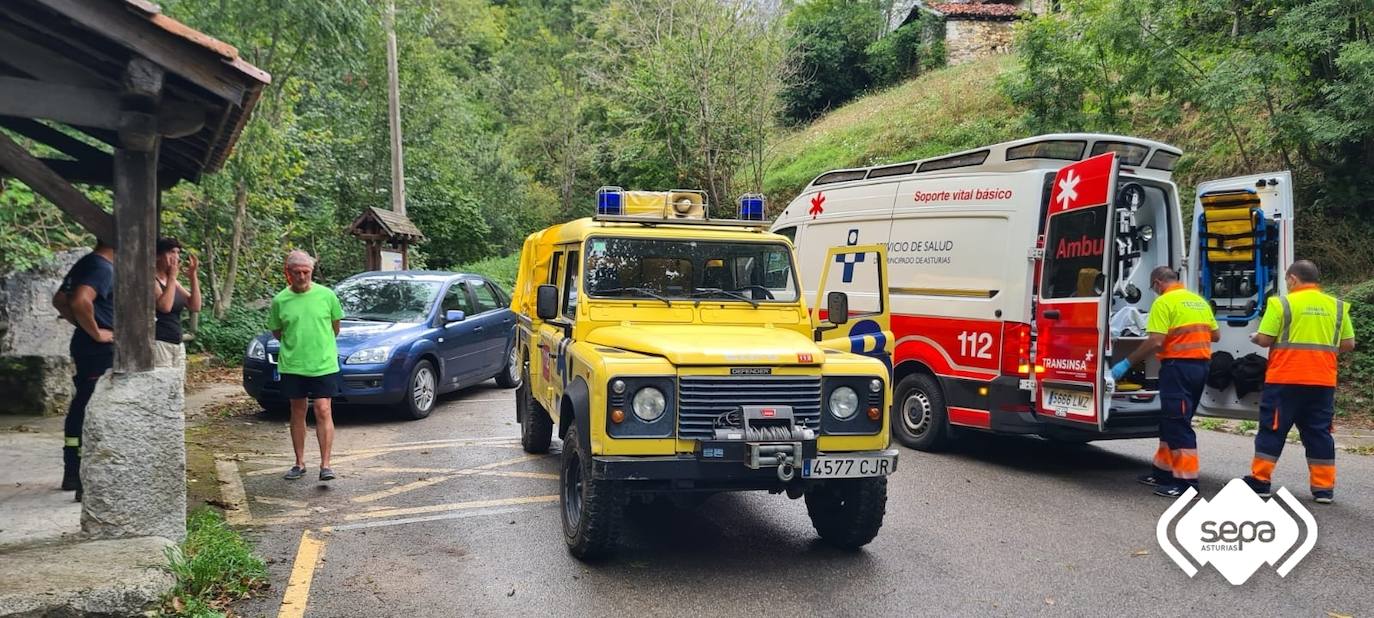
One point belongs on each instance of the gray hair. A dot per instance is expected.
(299, 258)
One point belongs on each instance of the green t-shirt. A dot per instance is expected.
(306, 321)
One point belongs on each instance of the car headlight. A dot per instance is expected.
(369, 355)
(844, 402)
(649, 404)
(256, 350)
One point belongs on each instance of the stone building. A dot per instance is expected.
(35, 371)
(973, 28)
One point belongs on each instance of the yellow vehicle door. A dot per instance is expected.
(860, 273)
(550, 357)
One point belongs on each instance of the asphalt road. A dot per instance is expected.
(447, 516)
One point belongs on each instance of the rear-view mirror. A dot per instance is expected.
(837, 308)
(546, 302)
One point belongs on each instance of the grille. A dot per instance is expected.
(701, 399)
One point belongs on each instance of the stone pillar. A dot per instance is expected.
(133, 456)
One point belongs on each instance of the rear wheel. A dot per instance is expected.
(536, 427)
(511, 374)
(920, 420)
(847, 513)
(591, 511)
(421, 391)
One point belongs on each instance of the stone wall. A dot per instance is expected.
(967, 39)
(35, 371)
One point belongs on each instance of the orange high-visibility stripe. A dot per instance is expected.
(1262, 467)
(1185, 463)
(1163, 459)
(1294, 365)
(1323, 475)
(1190, 341)
(1277, 411)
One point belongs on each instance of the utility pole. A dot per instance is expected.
(393, 97)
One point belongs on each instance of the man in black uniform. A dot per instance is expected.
(86, 299)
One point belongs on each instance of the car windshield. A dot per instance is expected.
(386, 300)
(750, 272)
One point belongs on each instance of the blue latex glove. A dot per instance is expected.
(1119, 370)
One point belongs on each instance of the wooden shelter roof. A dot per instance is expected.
(392, 224)
(81, 48)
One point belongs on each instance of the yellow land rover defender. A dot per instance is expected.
(677, 358)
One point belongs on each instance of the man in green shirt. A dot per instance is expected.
(305, 318)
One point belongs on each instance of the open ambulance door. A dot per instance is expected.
(1072, 303)
(860, 272)
(1240, 247)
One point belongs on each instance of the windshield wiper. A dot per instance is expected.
(637, 290)
(703, 291)
(367, 318)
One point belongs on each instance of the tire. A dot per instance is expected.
(590, 509)
(847, 513)
(512, 375)
(536, 428)
(919, 418)
(422, 391)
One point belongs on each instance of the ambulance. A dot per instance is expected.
(1020, 272)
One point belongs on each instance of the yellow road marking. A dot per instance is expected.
(454, 506)
(281, 502)
(231, 491)
(400, 489)
(521, 475)
(302, 571)
(368, 454)
(409, 470)
(421, 484)
(498, 440)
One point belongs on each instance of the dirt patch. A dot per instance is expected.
(203, 370)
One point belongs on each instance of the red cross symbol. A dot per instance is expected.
(816, 205)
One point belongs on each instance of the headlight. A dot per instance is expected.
(844, 402)
(369, 355)
(875, 385)
(256, 350)
(649, 404)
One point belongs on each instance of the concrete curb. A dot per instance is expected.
(117, 577)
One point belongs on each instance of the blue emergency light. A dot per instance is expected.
(751, 207)
(610, 201)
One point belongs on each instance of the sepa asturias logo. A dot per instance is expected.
(1237, 532)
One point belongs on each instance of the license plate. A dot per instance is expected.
(1078, 403)
(848, 467)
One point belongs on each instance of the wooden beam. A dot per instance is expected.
(78, 105)
(98, 171)
(90, 107)
(177, 55)
(42, 63)
(66, 144)
(47, 183)
(135, 198)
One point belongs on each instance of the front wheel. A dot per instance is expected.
(421, 391)
(511, 375)
(919, 417)
(591, 512)
(847, 513)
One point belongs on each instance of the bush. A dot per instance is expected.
(214, 566)
(502, 270)
(906, 52)
(228, 338)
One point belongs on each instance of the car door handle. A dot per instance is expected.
(477, 329)
(1051, 314)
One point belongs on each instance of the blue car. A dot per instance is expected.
(406, 337)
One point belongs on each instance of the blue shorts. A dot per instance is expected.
(319, 387)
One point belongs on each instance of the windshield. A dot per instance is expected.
(386, 300)
(689, 269)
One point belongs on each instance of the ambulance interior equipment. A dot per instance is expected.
(1141, 244)
(1238, 265)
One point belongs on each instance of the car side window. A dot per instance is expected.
(456, 299)
(570, 286)
(483, 295)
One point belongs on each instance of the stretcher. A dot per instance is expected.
(1236, 266)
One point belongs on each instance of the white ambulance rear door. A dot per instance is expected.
(1075, 271)
(1236, 279)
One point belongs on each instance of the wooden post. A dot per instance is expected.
(393, 99)
(136, 205)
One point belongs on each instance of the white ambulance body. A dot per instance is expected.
(1009, 291)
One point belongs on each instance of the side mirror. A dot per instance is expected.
(454, 315)
(546, 302)
(837, 308)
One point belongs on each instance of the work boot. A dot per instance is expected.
(1155, 479)
(1261, 488)
(1175, 491)
(1324, 496)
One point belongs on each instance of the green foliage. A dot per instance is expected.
(213, 567)
(227, 337)
(831, 38)
(502, 270)
(1283, 83)
(906, 52)
(1357, 367)
(31, 227)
